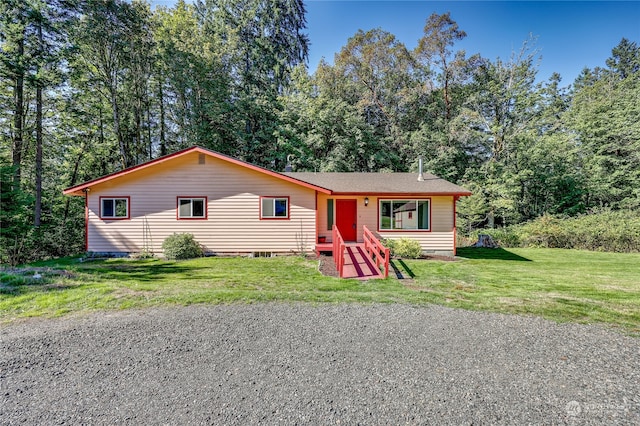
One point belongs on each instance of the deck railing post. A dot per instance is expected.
(386, 262)
(338, 249)
(374, 246)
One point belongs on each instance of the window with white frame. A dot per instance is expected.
(274, 208)
(192, 207)
(114, 207)
(409, 214)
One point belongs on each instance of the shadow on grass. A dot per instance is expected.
(19, 289)
(140, 272)
(396, 270)
(21, 282)
(406, 268)
(407, 273)
(489, 253)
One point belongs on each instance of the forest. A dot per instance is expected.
(88, 87)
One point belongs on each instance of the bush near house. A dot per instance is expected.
(181, 246)
(614, 231)
(404, 247)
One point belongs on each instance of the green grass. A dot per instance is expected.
(562, 285)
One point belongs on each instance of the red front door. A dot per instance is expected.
(347, 219)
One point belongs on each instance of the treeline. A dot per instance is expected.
(91, 86)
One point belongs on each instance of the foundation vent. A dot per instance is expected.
(262, 254)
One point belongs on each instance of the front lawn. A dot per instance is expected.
(563, 285)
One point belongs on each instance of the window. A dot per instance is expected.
(114, 208)
(192, 207)
(274, 208)
(404, 215)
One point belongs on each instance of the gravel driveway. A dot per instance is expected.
(278, 363)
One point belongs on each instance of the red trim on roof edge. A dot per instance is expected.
(407, 194)
(77, 190)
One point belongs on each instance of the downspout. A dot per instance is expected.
(455, 227)
(316, 224)
(86, 220)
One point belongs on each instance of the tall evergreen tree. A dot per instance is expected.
(114, 50)
(263, 41)
(603, 115)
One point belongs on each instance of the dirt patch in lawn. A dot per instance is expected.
(327, 266)
(439, 257)
(40, 272)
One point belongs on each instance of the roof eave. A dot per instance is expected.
(407, 194)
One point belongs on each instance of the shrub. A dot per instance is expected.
(181, 246)
(389, 243)
(405, 248)
(617, 231)
(504, 237)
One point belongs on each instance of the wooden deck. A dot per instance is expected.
(324, 247)
(358, 264)
(363, 261)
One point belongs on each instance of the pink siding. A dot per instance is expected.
(233, 222)
(441, 238)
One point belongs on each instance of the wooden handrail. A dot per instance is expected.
(374, 248)
(338, 249)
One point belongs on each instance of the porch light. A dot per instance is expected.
(366, 201)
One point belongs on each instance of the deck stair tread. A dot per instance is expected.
(358, 264)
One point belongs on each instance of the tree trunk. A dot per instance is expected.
(38, 207)
(139, 144)
(116, 128)
(446, 95)
(163, 142)
(147, 105)
(74, 178)
(18, 118)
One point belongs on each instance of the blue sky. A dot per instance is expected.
(570, 34)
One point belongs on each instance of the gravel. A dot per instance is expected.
(279, 363)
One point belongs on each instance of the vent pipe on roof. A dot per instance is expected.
(420, 177)
(288, 167)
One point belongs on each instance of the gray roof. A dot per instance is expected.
(380, 183)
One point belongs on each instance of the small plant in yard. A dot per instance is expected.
(144, 254)
(301, 241)
(181, 246)
(404, 247)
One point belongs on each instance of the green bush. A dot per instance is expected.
(181, 246)
(614, 231)
(389, 243)
(504, 237)
(405, 248)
